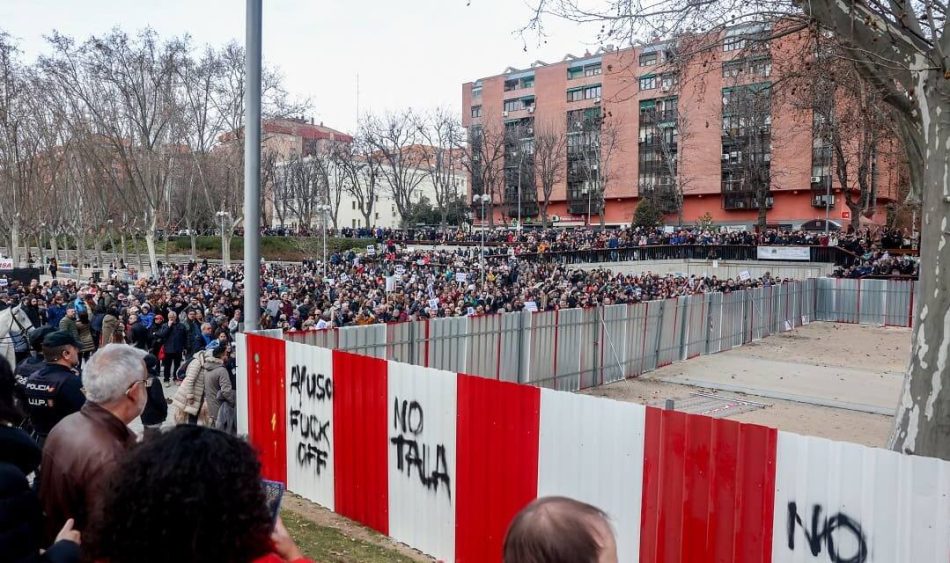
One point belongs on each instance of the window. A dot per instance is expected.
(732, 69)
(761, 68)
(512, 105)
(476, 111)
(669, 80)
(648, 59)
(648, 82)
(733, 43)
(592, 92)
(376, 216)
(592, 70)
(511, 85)
(575, 95)
(394, 210)
(355, 223)
(527, 82)
(476, 90)
(353, 203)
(575, 72)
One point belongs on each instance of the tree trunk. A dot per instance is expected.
(81, 251)
(15, 242)
(226, 235)
(125, 257)
(54, 246)
(922, 424)
(97, 245)
(150, 243)
(138, 252)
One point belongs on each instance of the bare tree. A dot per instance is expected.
(593, 141)
(125, 86)
(483, 158)
(361, 164)
(747, 149)
(901, 49)
(396, 137)
(852, 128)
(550, 154)
(442, 132)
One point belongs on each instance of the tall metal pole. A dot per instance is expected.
(481, 250)
(827, 203)
(325, 244)
(252, 167)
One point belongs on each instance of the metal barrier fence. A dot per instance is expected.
(573, 349)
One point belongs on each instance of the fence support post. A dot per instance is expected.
(597, 344)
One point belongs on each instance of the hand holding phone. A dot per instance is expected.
(274, 493)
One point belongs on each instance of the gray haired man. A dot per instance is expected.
(84, 447)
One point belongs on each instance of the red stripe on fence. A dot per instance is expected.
(361, 486)
(708, 489)
(267, 404)
(497, 436)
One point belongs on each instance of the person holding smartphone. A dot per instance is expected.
(232, 516)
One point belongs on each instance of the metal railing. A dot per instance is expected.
(573, 349)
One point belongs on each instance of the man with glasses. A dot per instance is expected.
(54, 391)
(84, 447)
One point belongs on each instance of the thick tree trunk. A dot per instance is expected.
(922, 424)
(15, 243)
(226, 235)
(54, 246)
(150, 244)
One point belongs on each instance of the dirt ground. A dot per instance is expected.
(868, 353)
(326, 519)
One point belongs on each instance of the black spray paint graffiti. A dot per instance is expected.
(823, 529)
(318, 386)
(313, 447)
(408, 422)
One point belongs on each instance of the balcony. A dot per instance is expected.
(823, 201)
(738, 202)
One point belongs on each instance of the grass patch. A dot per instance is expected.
(272, 248)
(329, 545)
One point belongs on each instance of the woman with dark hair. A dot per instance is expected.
(197, 496)
(21, 518)
(86, 337)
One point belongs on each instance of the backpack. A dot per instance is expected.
(183, 368)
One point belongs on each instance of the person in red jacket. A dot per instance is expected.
(191, 494)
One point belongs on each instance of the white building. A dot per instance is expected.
(296, 197)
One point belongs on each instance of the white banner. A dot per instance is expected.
(783, 253)
(6, 263)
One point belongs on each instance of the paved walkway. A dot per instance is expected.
(861, 388)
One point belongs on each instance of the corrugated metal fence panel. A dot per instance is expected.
(484, 342)
(369, 340)
(422, 413)
(652, 318)
(761, 314)
(836, 501)
(447, 344)
(571, 351)
(809, 295)
(899, 301)
(697, 325)
(240, 362)
(872, 305)
(310, 444)
(541, 341)
(636, 339)
(592, 339)
(706, 485)
(513, 335)
(670, 333)
(615, 342)
(825, 300)
(847, 300)
(715, 316)
(603, 468)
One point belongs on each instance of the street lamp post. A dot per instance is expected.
(323, 210)
(225, 252)
(483, 199)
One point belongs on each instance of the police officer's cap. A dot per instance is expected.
(59, 338)
(39, 335)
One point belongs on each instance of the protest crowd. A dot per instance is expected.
(102, 354)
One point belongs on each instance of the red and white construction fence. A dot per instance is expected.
(442, 461)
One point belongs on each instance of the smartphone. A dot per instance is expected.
(274, 492)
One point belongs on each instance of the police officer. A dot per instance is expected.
(27, 368)
(55, 390)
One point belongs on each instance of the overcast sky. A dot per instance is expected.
(409, 53)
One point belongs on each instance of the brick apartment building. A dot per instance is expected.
(653, 128)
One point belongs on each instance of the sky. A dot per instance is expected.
(409, 53)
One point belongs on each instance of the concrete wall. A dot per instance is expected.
(719, 268)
